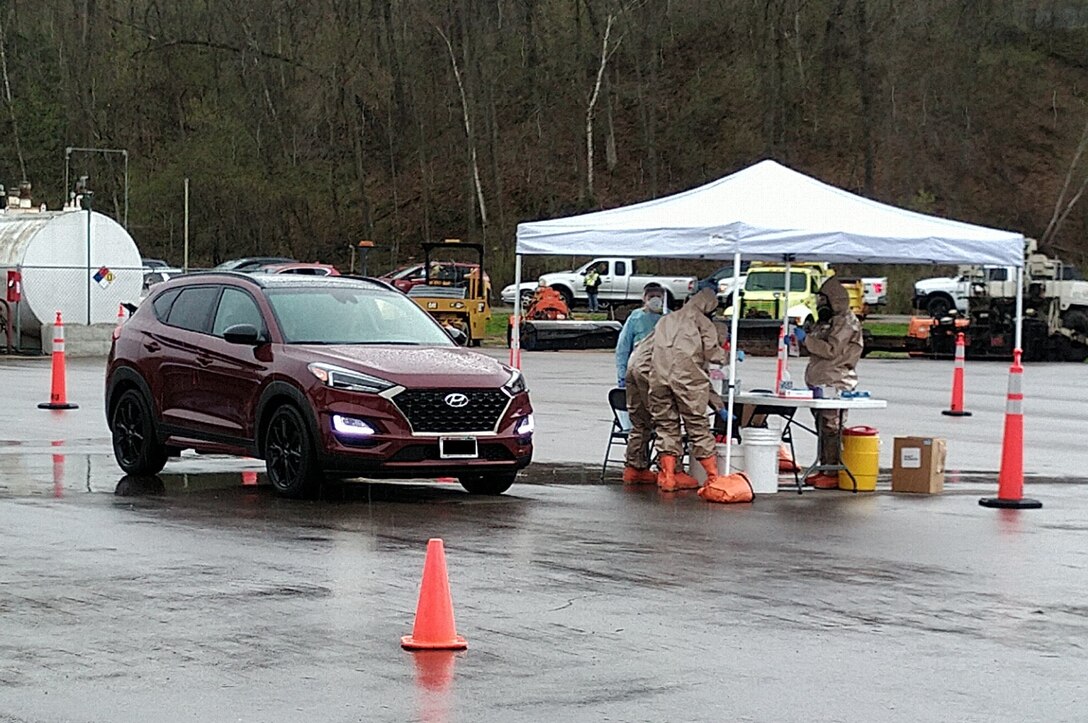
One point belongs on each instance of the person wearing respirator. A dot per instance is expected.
(638, 326)
(834, 346)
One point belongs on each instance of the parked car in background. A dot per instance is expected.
(621, 283)
(303, 269)
(152, 278)
(252, 263)
(412, 275)
(154, 264)
(321, 377)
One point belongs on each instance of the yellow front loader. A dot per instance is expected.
(455, 292)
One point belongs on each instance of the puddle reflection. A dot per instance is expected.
(434, 678)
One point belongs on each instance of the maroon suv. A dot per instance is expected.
(320, 377)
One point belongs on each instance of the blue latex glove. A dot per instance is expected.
(740, 355)
(799, 334)
(621, 383)
(724, 415)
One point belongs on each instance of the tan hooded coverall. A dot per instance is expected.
(638, 403)
(685, 343)
(834, 349)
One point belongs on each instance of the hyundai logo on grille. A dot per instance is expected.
(456, 400)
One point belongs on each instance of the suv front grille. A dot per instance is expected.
(427, 410)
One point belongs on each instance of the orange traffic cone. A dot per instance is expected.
(434, 628)
(957, 380)
(1010, 481)
(58, 397)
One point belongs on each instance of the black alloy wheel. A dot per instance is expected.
(135, 441)
(289, 454)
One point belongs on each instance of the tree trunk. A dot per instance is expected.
(865, 83)
(592, 104)
(466, 117)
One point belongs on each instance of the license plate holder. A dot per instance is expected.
(458, 448)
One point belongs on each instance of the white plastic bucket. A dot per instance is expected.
(736, 462)
(761, 458)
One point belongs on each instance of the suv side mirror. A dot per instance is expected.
(242, 334)
(459, 337)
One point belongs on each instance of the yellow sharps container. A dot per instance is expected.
(861, 453)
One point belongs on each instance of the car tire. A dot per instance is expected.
(567, 294)
(1077, 320)
(290, 458)
(135, 440)
(494, 483)
(939, 306)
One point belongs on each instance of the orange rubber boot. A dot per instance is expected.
(685, 481)
(823, 481)
(635, 476)
(710, 464)
(669, 480)
(666, 476)
(786, 462)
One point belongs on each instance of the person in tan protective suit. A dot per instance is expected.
(685, 343)
(834, 348)
(637, 385)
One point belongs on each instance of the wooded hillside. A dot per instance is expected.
(306, 125)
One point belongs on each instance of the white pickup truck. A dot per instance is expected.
(938, 296)
(621, 283)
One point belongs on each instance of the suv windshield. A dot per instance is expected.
(352, 316)
(775, 281)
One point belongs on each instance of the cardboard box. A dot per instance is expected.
(918, 465)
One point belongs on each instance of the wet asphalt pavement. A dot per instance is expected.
(194, 596)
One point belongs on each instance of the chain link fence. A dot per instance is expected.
(84, 295)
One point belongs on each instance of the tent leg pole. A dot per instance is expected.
(515, 331)
(734, 325)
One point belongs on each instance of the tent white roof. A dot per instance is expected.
(772, 211)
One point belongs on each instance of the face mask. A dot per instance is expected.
(655, 304)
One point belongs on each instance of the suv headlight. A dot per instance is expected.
(340, 378)
(515, 384)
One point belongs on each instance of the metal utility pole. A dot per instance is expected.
(105, 151)
(185, 259)
(85, 201)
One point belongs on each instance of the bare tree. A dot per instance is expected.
(594, 95)
(1063, 207)
(11, 104)
(468, 131)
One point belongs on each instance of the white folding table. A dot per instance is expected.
(789, 407)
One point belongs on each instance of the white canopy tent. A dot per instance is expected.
(771, 212)
(768, 211)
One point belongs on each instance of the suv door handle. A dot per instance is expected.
(152, 345)
(204, 361)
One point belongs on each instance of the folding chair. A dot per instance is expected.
(617, 436)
